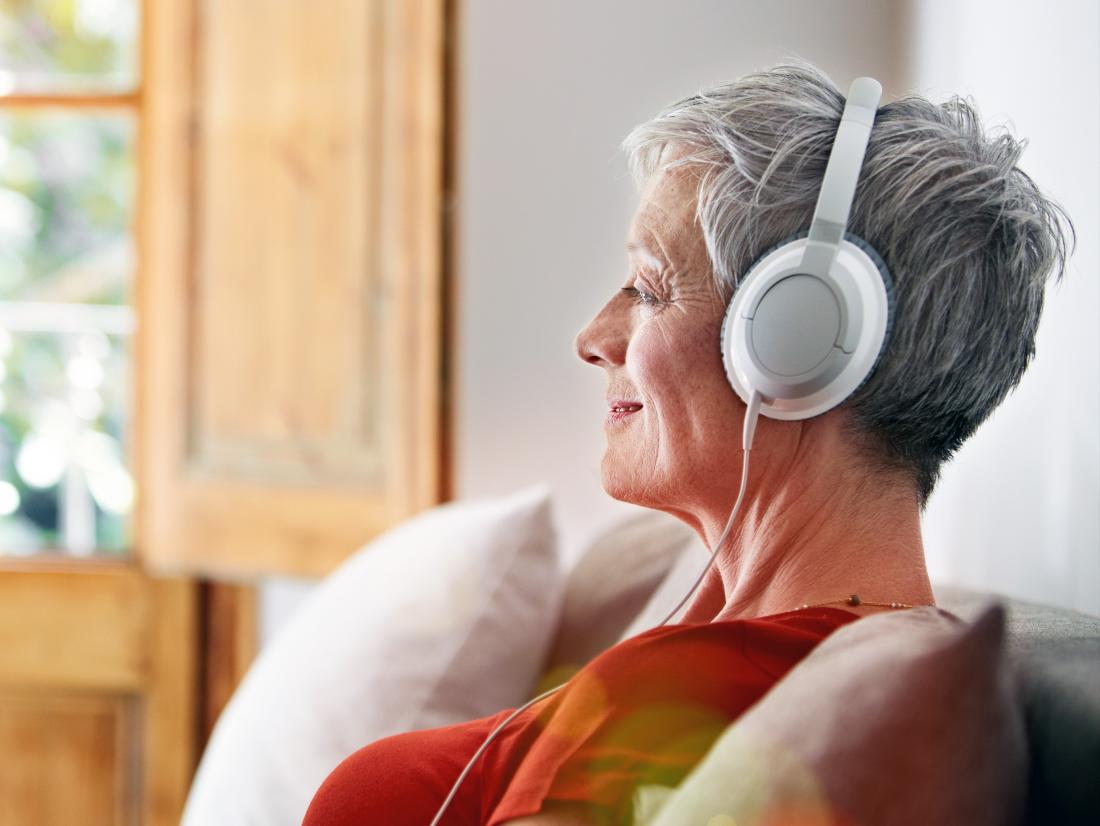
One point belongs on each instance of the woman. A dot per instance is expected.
(832, 505)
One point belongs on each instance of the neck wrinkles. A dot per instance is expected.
(805, 534)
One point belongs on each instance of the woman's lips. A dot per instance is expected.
(621, 409)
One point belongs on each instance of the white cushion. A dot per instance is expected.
(682, 575)
(445, 618)
(611, 583)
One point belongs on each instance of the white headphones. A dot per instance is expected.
(809, 320)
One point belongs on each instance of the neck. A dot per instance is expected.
(810, 538)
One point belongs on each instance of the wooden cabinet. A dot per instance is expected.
(98, 694)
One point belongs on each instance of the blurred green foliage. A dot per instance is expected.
(66, 207)
(68, 45)
(66, 199)
(66, 177)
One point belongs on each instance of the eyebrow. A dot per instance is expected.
(645, 252)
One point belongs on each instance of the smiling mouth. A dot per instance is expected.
(621, 410)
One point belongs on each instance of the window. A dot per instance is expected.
(69, 105)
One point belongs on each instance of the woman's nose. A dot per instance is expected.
(602, 342)
(583, 345)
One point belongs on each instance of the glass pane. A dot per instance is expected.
(66, 260)
(68, 46)
(65, 482)
(66, 198)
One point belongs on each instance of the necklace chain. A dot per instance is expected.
(854, 599)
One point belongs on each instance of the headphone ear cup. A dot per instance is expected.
(807, 342)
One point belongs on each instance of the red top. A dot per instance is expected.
(645, 711)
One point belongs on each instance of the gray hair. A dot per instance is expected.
(968, 237)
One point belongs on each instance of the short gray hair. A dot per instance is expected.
(968, 237)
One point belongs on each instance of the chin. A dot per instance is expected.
(620, 493)
(626, 487)
(617, 484)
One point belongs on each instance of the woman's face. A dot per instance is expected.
(658, 340)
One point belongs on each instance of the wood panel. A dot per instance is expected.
(98, 694)
(65, 759)
(74, 755)
(60, 625)
(169, 749)
(285, 376)
(289, 367)
(230, 642)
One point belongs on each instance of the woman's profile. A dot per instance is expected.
(828, 511)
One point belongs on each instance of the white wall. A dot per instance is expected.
(1018, 510)
(546, 92)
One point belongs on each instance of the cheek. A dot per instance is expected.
(673, 366)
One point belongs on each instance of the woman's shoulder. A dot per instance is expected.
(391, 775)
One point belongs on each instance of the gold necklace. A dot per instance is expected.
(855, 600)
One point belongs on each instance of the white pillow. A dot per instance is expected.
(444, 618)
(681, 576)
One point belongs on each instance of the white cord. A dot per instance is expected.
(749, 431)
(747, 435)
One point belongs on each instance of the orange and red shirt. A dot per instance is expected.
(645, 711)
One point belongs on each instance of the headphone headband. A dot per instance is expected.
(838, 189)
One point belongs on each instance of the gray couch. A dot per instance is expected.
(1056, 654)
(629, 578)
